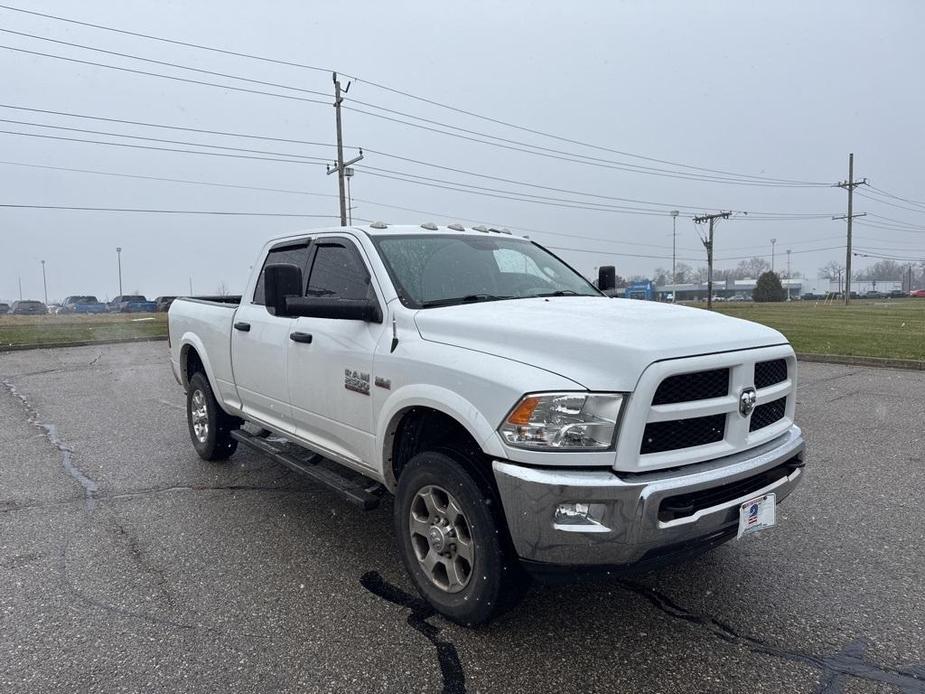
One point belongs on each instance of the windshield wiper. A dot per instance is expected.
(468, 299)
(561, 292)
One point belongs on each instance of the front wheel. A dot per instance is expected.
(452, 540)
(209, 426)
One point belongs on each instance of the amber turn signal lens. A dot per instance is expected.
(523, 412)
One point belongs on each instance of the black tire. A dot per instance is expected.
(214, 442)
(497, 582)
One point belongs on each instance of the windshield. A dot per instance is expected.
(442, 270)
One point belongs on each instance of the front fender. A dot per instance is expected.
(443, 400)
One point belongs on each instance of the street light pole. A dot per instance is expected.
(119, 261)
(44, 283)
(773, 241)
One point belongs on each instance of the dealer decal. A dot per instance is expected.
(357, 381)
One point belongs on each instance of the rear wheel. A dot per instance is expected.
(453, 542)
(210, 427)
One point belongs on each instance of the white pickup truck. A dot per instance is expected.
(526, 423)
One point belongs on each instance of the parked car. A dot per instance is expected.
(896, 294)
(524, 421)
(4, 308)
(920, 293)
(131, 303)
(29, 308)
(163, 303)
(83, 304)
(874, 294)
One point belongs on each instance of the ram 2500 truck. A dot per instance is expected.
(525, 422)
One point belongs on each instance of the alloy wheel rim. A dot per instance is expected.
(200, 416)
(441, 538)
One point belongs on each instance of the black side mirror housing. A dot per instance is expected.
(338, 309)
(281, 281)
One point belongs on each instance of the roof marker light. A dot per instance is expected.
(481, 228)
(430, 226)
(378, 225)
(456, 227)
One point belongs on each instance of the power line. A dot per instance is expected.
(630, 168)
(156, 149)
(155, 211)
(168, 77)
(168, 180)
(386, 88)
(159, 139)
(550, 151)
(168, 127)
(163, 62)
(896, 197)
(175, 42)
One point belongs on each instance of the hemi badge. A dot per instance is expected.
(383, 383)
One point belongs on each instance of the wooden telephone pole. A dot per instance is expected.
(708, 244)
(849, 185)
(340, 165)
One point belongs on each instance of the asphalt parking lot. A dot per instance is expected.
(127, 564)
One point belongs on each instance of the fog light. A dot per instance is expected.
(579, 517)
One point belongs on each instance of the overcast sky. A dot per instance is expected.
(783, 90)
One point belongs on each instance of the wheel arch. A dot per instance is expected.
(419, 422)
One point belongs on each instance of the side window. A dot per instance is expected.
(293, 255)
(338, 272)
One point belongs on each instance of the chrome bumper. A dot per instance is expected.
(626, 507)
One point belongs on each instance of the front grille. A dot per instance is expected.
(683, 433)
(684, 505)
(767, 414)
(768, 373)
(699, 385)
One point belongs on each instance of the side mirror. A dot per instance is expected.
(338, 309)
(281, 281)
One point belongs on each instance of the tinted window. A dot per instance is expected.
(338, 272)
(289, 255)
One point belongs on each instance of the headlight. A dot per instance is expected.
(563, 421)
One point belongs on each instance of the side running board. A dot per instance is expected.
(352, 486)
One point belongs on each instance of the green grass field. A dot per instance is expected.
(44, 330)
(892, 329)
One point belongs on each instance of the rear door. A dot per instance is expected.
(260, 346)
(330, 377)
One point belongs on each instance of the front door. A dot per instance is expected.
(260, 347)
(331, 376)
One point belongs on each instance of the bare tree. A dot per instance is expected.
(222, 290)
(832, 270)
(753, 267)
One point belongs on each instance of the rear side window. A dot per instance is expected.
(338, 272)
(289, 255)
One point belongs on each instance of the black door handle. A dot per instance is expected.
(243, 327)
(301, 337)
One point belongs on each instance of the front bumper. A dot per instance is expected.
(645, 515)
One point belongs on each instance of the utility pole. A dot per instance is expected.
(44, 283)
(849, 185)
(20, 287)
(674, 250)
(773, 241)
(348, 173)
(340, 165)
(119, 261)
(788, 274)
(708, 244)
(190, 285)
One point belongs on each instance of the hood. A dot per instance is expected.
(600, 343)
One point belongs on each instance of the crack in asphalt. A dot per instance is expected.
(848, 662)
(11, 505)
(51, 433)
(454, 679)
